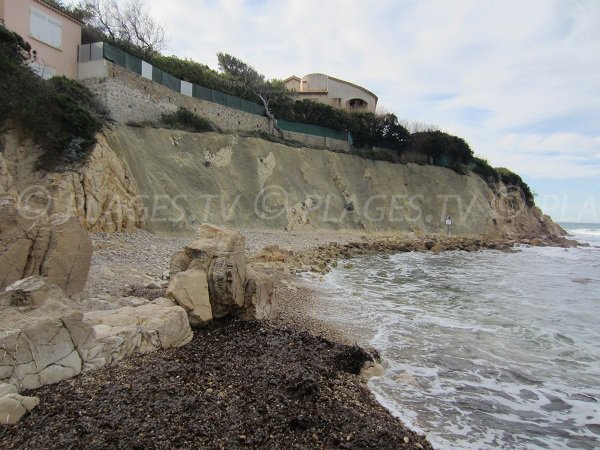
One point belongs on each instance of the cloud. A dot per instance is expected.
(518, 80)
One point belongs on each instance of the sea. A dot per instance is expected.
(483, 350)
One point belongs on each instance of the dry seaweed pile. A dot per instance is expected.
(236, 385)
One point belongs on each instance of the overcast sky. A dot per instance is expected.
(517, 79)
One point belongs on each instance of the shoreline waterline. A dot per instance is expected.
(349, 300)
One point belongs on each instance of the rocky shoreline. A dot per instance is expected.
(282, 383)
(236, 385)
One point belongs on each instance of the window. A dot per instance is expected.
(46, 29)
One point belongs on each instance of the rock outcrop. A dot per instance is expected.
(102, 192)
(120, 333)
(44, 341)
(279, 187)
(33, 243)
(216, 259)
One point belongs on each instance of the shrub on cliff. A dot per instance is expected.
(60, 115)
(184, 119)
(509, 178)
(445, 149)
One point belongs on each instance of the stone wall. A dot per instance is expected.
(131, 98)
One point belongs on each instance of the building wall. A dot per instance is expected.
(62, 59)
(330, 91)
(346, 92)
(314, 82)
(2, 11)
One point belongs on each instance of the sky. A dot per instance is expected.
(519, 80)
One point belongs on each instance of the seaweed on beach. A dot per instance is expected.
(236, 385)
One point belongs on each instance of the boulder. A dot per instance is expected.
(122, 332)
(189, 289)
(13, 406)
(43, 340)
(258, 296)
(33, 243)
(220, 253)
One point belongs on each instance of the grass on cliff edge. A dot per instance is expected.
(60, 115)
(184, 119)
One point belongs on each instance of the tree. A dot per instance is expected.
(130, 25)
(245, 78)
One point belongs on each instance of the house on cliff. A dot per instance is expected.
(54, 35)
(332, 91)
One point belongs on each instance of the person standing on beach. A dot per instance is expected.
(448, 223)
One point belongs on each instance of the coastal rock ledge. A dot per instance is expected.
(43, 340)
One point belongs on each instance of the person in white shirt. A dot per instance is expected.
(448, 224)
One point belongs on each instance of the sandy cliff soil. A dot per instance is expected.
(190, 178)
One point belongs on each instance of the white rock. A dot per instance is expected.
(189, 289)
(43, 339)
(125, 331)
(13, 406)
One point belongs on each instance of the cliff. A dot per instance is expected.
(171, 181)
(187, 179)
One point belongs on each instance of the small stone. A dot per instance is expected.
(406, 440)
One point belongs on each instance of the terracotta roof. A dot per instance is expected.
(61, 12)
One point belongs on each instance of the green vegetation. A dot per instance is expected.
(71, 115)
(495, 174)
(184, 119)
(61, 115)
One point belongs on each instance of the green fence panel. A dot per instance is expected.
(171, 82)
(202, 93)
(219, 97)
(157, 75)
(442, 160)
(258, 109)
(115, 55)
(132, 63)
(315, 130)
(234, 102)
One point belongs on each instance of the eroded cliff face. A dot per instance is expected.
(172, 181)
(187, 179)
(102, 193)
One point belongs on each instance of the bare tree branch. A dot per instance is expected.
(131, 24)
